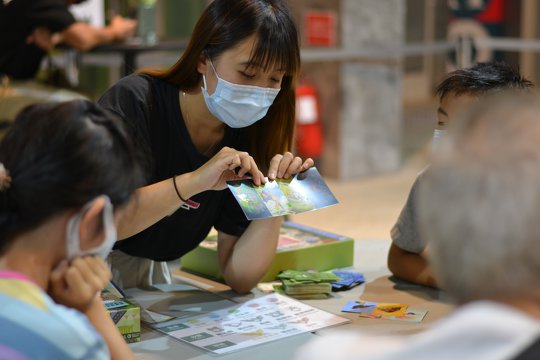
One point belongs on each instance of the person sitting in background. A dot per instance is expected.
(479, 207)
(30, 28)
(407, 255)
(67, 170)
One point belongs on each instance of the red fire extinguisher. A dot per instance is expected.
(309, 135)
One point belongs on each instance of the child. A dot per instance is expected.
(66, 171)
(407, 255)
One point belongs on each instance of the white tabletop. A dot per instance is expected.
(370, 259)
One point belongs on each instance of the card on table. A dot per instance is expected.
(411, 315)
(366, 307)
(388, 309)
(385, 311)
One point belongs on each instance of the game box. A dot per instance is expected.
(300, 247)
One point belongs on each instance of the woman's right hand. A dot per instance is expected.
(228, 164)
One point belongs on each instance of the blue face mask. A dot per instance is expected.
(73, 243)
(236, 105)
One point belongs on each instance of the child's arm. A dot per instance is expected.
(410, 266)
(103, 323)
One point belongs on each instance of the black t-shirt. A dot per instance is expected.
(18, 19)
(151, 108)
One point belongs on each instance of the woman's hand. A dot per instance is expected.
(78, 284)
(286, 165)
(228, 164)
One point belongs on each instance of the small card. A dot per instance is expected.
(366, 307)
(305, 191)
(113, 304)
(411, 315)
(386, 309)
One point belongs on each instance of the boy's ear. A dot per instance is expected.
(91, 230)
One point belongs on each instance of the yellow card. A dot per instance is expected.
(386, 309)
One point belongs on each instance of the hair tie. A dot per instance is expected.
(5, 179)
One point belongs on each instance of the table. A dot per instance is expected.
(370, 259)
(131, 49)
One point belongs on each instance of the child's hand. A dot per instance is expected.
(78, 284)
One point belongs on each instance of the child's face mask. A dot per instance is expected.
(73, 244)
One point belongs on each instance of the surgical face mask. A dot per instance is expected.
(73, 243)
(437, 137)
(237, 105)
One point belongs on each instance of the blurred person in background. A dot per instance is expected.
(31, 28)
(407, 258)
(479, 206)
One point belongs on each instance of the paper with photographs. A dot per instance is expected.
(305, 191)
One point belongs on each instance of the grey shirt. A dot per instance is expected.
(405, 232)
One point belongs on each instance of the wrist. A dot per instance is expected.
(185, 187)
(96, 304)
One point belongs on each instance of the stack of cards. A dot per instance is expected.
(307, 284)
(388, 311)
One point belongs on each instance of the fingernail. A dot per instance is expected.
(272, 175)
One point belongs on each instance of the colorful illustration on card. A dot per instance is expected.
(411, 315)
(366, 307)
(386, 309)
(250, 200)
(302, 192)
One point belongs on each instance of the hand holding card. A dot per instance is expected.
(303, 192)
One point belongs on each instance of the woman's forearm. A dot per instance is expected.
(153, 202)
(244, 261)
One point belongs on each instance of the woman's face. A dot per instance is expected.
(234, 66)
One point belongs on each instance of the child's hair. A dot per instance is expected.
(59, 157)
(483, 78)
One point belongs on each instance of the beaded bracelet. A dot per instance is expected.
(176, 189)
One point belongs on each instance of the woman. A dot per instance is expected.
(224, 111)
(65, 167)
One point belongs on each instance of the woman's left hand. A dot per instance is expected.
(286, 165)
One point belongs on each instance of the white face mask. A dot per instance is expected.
(437, 137)
(238, 105)
(73, 243)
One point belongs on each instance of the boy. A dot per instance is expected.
(407, 255)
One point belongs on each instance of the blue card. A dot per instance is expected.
(359, 307)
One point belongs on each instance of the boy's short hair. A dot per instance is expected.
(483, 78)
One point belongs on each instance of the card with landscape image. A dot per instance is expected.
(305, 191)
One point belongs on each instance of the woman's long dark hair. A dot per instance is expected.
(223, 25)
(59, 157)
